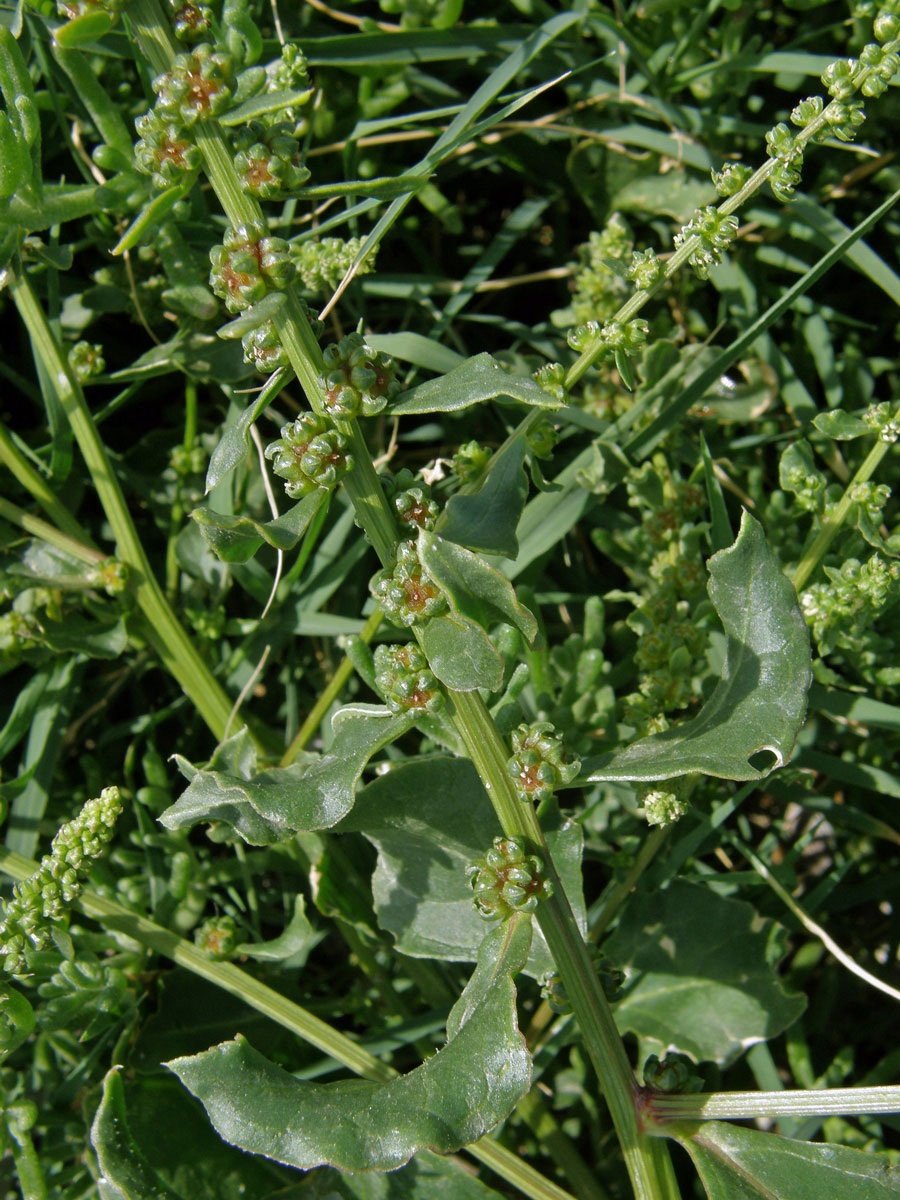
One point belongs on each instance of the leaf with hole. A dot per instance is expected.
(749, 724)
(454, 1098)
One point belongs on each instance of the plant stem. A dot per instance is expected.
(12, 457)
(739, 1106)
(832, 525)
(174, 647)
(74, 547)
(266, 1000)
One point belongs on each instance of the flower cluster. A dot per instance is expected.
(218, 937)
(538, 766)
(610, 978)
(263, 348)
(645, 270)
(552, 378)
(309, 454)
(165, 149)
(715, 230)
(470, 460)
(247, 266)
(405, 591)
(732, 177)
(410, 500)
(885, 420)
(508, 880)
(321, 265)
(268, 160)
(198, 86)
(617, 338)
(600, 289)
(45, 896)
(86, 360)
(358, 380)
(663, 805)
(841, 611)
(405, 681)
(191, 22)
(672, 1073)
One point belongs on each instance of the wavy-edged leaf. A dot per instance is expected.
(126, 1173)
(428, 819)
(236, 539)
(759, 703)
(269, 806)
(472, 382)
(467, 1088)
(486, 519)
(701, 974)
(474, 589)
(743, 1164)
(461, 654)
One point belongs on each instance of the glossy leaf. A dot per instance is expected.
(126, 1174)
(476, 380)
(268, 806)
(759, 704)
(474, 590)
(429, 819)
(841, 426)
(486, 519)
(701, 974)
(236, 539)
(461, 654)
(454, 1098)
(743, 1164)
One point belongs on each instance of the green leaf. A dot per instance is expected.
(703, 974)
(474, 381)
(261, 105)
(152, 214)
(125, 1171)
(427, 1177)
(16, 1020)
(486, 519)
(841, 426)
(474, 589)
(759, 703)
(735, 1163)
(298, 936)
(236, 539)
(80, 31)
(428, 819)
(461, 654)
(232, 447)
(458, 1095)
(269, 806)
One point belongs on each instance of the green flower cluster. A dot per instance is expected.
(610, 978)
(732, 177)
(538, 765)
(716, 232)
(87, 361)
(45, 897)
(470, 460)
(191, 22)
(247, 266)
(219, 937)
(410, 500)
(841, 613)
(358, 380)
(405, 681)
(322, 264)
(508, 880)
(671, 1073)
(663, 804)
(309, 454)
(268, 160)
(405, 591)
(617, 338)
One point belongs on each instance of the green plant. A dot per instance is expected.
(518, 674)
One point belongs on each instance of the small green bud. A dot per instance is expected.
(405, 681)
(268, 160)
(838, 78)
(661, 805)
(731, 178)
(165, 150)
(885, 420)
(645, 269)
(198, 85)
(538, 765)
(247, 266)
(358, 380)
(844, 117)
(715, 230)
(191, 22)
(309, 454)
(111, 575)
(807, 110)
(552, 378)
(672, 1073)
(470, 460)
(218, 937)
(406, 593)
(887, 25)
(263, 348)
(507, 880)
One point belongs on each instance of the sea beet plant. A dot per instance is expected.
(526, 600)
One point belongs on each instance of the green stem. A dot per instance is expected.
(74, 547)
(13, 458)
(832, 525)
(174, 647)
(176, 515)
(741, 1106)
(266, 1000)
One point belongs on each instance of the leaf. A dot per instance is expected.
(472, 382)
(428, 819)
(474, 590)
(701, 973)
(298, 936)
(126, 1174)
(269, 806)
(236, 539)
(461, 654)
(426, 1177)
(467, 1088)
(232, 446)
(16, 1020)
(735, 1163)
(841, 426)
(759, 703)
(486, 519)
